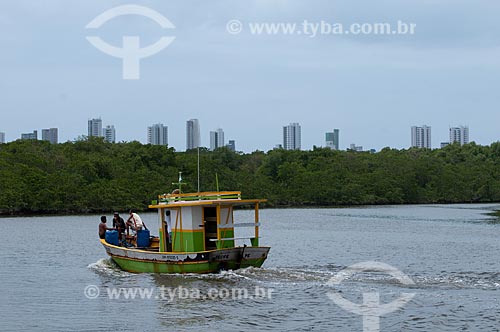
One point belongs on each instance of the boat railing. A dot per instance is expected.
(202, 196)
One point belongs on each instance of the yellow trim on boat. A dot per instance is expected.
(187, 230)
(103, 242)
(214, 202)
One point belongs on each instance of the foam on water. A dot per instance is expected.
(106, 266)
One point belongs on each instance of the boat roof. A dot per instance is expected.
(203, 199)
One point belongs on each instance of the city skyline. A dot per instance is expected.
(420, 136)
(371, 87)
(443, 133)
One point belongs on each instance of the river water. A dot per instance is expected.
(55, 276)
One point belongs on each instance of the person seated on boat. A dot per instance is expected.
(134, 221)
(103, 228)
(119, 224)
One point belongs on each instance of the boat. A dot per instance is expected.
(203, 236)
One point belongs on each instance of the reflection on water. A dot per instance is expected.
(450, 252)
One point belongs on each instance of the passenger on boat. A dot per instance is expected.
(134, 222)
(103, 228)
(119, 224)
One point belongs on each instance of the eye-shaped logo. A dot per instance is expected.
(371, 309)
(131, 53)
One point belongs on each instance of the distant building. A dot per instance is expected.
(50, 135)
(158, 134)
(95, 128)
(2, 138)
(231, 145)
(193, 138)
(459, 134)
(444, 144)
(278, 147)
(216, 139)
(332, 139)
(28, 136)
(292, 137)
(421, 137)
(109, 134)
(354, 147)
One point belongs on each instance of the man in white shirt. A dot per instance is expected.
(134, 221)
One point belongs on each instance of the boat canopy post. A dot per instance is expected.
(255, 240)
(161, 221)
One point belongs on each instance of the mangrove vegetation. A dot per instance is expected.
(91, 175)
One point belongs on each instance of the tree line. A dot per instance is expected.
(91, 175)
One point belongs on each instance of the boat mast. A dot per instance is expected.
(180, 184)
(198, 169)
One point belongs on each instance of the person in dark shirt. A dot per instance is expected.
(103, 228)
(119, 224)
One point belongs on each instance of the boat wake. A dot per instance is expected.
(319, 275)
(106, 266)
(322, 274)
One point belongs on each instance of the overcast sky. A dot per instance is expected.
(373, 88)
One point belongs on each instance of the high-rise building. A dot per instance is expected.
(291, 137)
(33, 135)
(332, 139)
(50, 135)
(421, 137)
(158, 134)
(109, 134)
(231, 145)
(95, 128)
(459, 134)
(2, 138)
(216, 139)
(193, 139)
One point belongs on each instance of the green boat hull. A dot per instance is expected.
(142, 261)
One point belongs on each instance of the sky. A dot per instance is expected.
(371, 87)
